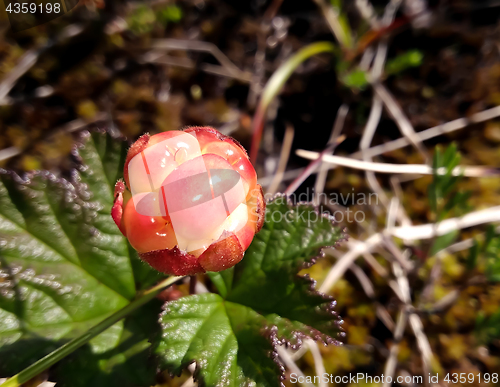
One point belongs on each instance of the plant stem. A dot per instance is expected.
(274, 85)
(53, 357)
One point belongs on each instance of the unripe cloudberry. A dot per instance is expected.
(190, 202)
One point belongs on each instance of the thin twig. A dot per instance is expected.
(372, 261)
(272, 10)
(377, 267)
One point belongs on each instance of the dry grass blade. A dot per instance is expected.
(355, 250)
(193, 45)
(28, 60)
(332, 18)
(24, 64)
(68, 127)
(283, 160)
(367, 12)
(336, 130)
(431, 230)
(419, 232)
(186, 63)
(412, 169)
(366, 139)
(435, 131)
(274, 85)
(390, 365)
(415, 322)
(400, 118)
(292, 366)
(312, 166)
(367, 286)
(318, 361)
(7, 153)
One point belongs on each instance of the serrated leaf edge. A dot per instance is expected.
(271, 332)
(318, 336)
(268, 332)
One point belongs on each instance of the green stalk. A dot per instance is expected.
(275, 84)
(53, 357)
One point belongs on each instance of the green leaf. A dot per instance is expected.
(142, 20)
(346, 36)
(64, 265)
(488, 329)
(262, 302)
(355, 79)
(170, 13)
(471, 261)
(486, 253)
(412, 58)
(223, 337)
(444, 197)
(443, 241)
(125, 360)
(492, 255)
